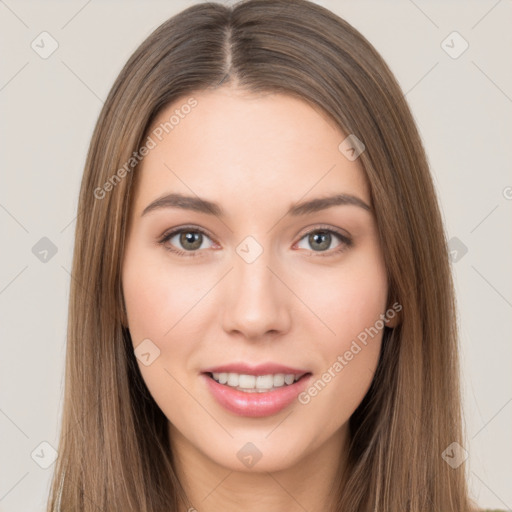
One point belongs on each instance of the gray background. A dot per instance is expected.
(49, 106)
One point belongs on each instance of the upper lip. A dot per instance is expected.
(260, 369)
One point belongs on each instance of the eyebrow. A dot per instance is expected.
(211, 208)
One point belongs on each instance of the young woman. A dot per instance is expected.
(262, 314)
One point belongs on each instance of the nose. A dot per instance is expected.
(258, 302)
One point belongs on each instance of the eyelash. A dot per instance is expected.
(346, 242)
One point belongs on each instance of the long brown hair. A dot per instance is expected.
(114, 451)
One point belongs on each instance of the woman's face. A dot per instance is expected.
(268, 282)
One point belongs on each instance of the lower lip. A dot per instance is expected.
(255, 404)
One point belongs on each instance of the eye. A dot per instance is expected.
(321, 239)
(187, 241)
(191, 239)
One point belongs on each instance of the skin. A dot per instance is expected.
(255, 155)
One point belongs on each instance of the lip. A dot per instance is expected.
(255, 405)
(260, 369)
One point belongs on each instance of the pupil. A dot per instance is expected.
(324, 235)
(192, 238)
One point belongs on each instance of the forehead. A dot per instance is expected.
(259, 149)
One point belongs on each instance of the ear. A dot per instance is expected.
(393, 314)
(393, 322)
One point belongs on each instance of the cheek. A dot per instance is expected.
(160, 302)
(346, 299)
(167, 304)
(353, 314)
(157, 295)
(350, 303)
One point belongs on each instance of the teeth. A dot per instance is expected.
(253, 383)
(247, 381)
(288, 379)
(233, 380)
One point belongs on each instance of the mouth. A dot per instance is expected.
(255, 392)
(256, 383)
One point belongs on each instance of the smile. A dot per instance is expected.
(258, 392)
(255, 383)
